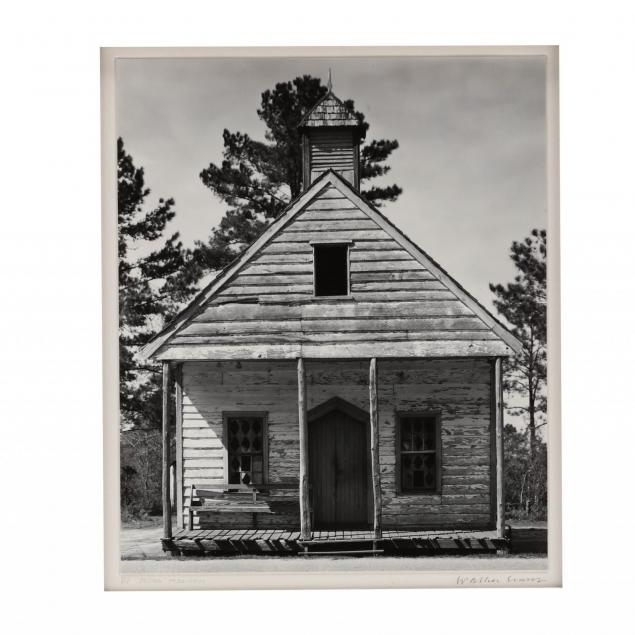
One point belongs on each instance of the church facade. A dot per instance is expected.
(334, 376)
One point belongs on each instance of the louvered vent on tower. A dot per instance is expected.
(331, 135)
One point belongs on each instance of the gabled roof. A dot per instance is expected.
(329, 111)
(329, 178)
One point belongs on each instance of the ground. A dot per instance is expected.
(141, 553)
(141, 541)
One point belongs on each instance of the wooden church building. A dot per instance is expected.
(334, 377)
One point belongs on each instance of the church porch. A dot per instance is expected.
(282, 542)
(382, 386)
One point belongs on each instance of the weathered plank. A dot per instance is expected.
(269, 269)
(347, 234)
(180, 443)
(284, 258)
(406, 324)
(202, 453)
(335, 350)
(374, 447)
(326, 338)
(364, 255)
(207, 443)
(361, 296)
(271, 287)
(393, 296)
(376, 245)
(305, 518)
(165, 462)
(387, 265)
(324, 310)
(265, 279)
(332, 224)
(389, 276)
(339, 209)
(332, 204)
(286, 247)
(210, 462)
(292, 247)
(390, 286)
(500, 475)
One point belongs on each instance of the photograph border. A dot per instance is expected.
(114, 579)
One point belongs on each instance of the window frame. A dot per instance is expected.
(399, 415)
(333, 243)
(264, 415)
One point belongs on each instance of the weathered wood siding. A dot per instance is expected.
(209, 389)
(459, 389)
(396, 307)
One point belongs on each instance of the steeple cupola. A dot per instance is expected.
(331, 135)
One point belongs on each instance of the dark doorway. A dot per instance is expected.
(338, 470)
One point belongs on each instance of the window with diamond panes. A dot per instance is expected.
(245, 449)
(418, 453)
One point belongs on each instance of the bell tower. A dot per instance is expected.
(331, 135)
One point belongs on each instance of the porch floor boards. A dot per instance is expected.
(325, 535)
(204, 542)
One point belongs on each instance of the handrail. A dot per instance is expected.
(247, 487)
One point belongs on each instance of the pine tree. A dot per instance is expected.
(523, 303)
(525, 479)
(258, 179)
(151, 289)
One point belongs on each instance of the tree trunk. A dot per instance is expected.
(522, 490)
(532, 426)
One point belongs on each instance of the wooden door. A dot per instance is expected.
(338, 471)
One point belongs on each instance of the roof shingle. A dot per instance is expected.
(329, 111)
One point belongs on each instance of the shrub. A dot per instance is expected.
(140, 474)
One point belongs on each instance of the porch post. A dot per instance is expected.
(305, 519)
(178, 398)
(173, 485)
(165, 472)
(374, 447)
(500, 474)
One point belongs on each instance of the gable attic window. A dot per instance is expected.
(330, 269)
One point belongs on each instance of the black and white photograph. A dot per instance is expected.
(316, 318)
(333, 313)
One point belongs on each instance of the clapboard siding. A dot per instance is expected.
(340, 310)
(341, 209)
(275, 269)
(329, 225)
(469, 323)
(269, 302)
(459, 389)
(209, 389)
(334, 338)
(291, 236)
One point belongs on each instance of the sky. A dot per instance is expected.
(471, 131)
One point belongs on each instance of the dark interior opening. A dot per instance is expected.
(331, 269)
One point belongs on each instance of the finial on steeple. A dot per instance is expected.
(330, 83)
